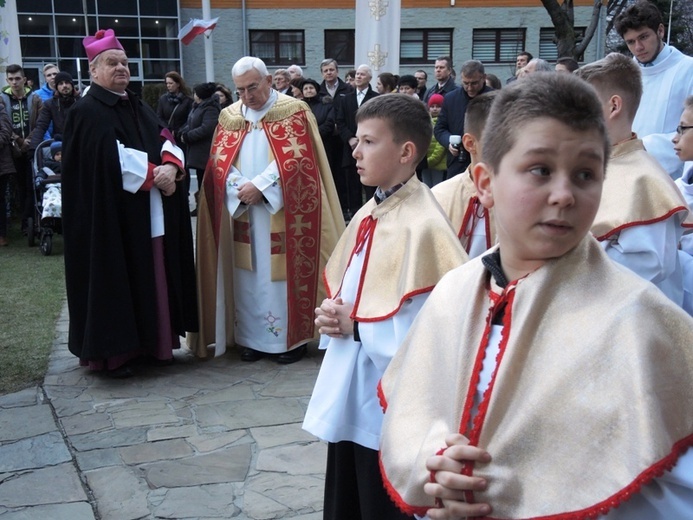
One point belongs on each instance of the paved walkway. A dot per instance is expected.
(195, 440)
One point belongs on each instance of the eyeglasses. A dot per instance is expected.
(248, 90)
(681, 129)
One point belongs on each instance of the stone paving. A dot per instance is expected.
(197, 440)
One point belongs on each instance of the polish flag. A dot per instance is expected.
(194, 28)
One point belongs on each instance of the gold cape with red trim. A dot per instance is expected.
(637, 191)
(311, 211)
(397, 266)
(457, 196)
(590, 400)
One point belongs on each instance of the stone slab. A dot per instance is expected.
(73, 511)
(119, 493)
(250, 413)
(27, 397)
(26, 421)
(214, 441)
(269, 436)
(52, 485)
(154, 451)
(294, 459)
(109, 438)
(292, 383)
(211, 501)
(294, 493)
(239, 392)
(171, 432)
(85, 423)
(36, 452)
(95, 459)
(230, 465)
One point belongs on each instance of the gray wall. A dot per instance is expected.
(228, 36)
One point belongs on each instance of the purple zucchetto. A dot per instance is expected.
(103, 40)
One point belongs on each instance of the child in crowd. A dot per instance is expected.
(393, 253)
(457, 195)
(436, 155)
(542, 380)
(683, 146)
(642, 214)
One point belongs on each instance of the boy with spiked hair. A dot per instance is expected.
(457, 196)
(542, 380)
(394, 251)
(642, 214)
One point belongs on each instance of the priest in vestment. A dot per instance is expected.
(268, 220)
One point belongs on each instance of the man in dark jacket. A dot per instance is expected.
(350, 188)
(129, 270)
(451, 118)
(445, 79)
(55, 110)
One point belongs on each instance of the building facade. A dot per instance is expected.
(283, 32)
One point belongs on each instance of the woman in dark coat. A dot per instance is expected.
(197, 133)
(321, 106)
(175, 105)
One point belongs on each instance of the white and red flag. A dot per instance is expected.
(194, 28)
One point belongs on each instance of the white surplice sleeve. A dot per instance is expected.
(650, 251)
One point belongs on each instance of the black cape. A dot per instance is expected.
(109, 269)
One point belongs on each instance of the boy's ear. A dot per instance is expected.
(482, 175)
(615, 106)
(469, 143)
(408, 152)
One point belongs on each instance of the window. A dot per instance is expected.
(339, 45)
(547, 46)
(422, 46)
(278, 47)
(497, 45)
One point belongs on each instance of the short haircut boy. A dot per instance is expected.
(14, 68)
(568, 63)
(407, 118)
(641, 14)
(615, 74)
(478, 109)
(562, 97)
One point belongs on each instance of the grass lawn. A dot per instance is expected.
(32, 292)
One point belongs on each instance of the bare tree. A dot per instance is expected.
(568, 41)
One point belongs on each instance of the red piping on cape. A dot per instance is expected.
(643, 223)
(395, 496)
(471, 212)
(381, 396)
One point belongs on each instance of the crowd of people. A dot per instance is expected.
(453, 247)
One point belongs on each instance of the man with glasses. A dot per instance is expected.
(268, 219)
(451, 118)
(667, 77)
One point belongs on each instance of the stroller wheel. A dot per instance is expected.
(30, 232)
(46, 244)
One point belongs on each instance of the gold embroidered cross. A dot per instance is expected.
(299, 225)
(295, 148)
(376, 57)
(378, 8)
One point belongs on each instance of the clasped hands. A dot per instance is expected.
(249, 194)
(165, 178)
(333, 318)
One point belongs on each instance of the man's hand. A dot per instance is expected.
(450, 484)
(353, 142)
(455, 151)
(333, 318)
(249, 194)
(165, 178)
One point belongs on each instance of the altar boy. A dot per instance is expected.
(542, 380)
(395, 250)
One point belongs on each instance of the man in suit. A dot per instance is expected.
(445, 80)
(451, 118)
(351, 196)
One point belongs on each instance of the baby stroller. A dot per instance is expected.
(47, 213)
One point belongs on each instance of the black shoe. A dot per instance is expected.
(291, 356)
(250, 354)
(120, 373)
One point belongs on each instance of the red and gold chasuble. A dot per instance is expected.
(298, 244)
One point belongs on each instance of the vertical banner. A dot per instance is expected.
(10, 50)
(377, 35)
